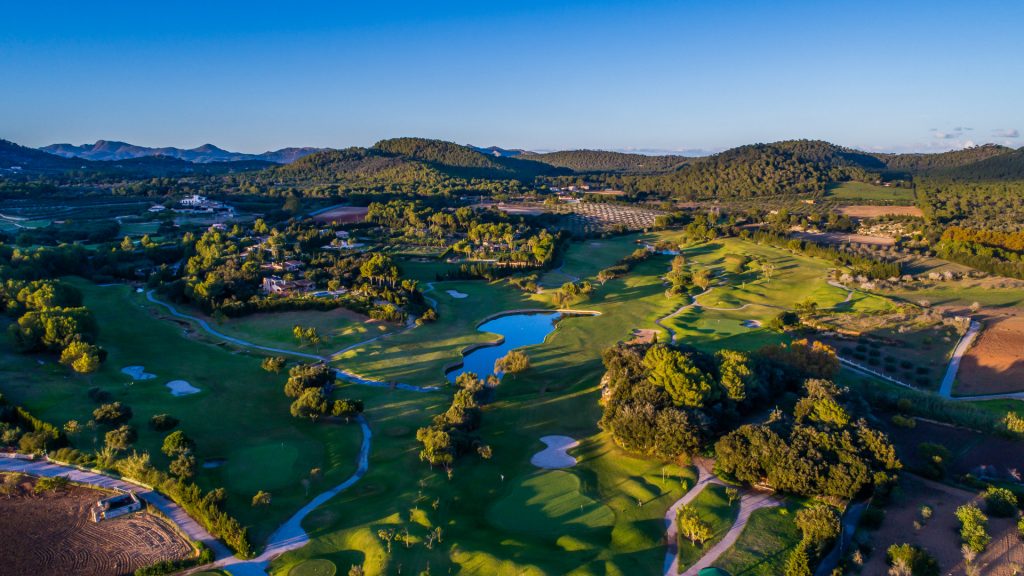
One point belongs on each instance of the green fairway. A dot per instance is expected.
(240, 413)
(546, 503)
(765, 543)
(585, 259)
(139, 228)
(316, 567)
(713, 506)
(338, 328)
(871, 192)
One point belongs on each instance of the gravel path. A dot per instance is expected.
(177, 515)
(946, 390)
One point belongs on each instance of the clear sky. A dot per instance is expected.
(252, 76)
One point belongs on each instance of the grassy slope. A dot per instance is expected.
(764, 544)
(865, 191)
(241, 413)
(713, 506)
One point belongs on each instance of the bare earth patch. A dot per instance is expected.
(876, 211)
(995, 364)
(52, 534)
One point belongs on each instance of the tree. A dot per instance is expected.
(311, 404)
(767, 270)
(701, 278)
(163, 422)
(676, 372)
(692, 526)
(177, 443)
(910, 560)
(438, 448)
(121, 438)
(82, 357)
(184, 466)
(11, 485)
(820, 525)
(512, 363)
(732, 494)
(306, 376)
(127, 245)
(1000, 502)
(346, 408)
(113, 413)
(973, 527)
(261, 499)
(273, 364)
(798, 563)
(387, 535)
(737, 375)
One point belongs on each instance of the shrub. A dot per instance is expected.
(163, 422)
(973, 527)
(934, 457)
(903, 421)
(1000, 502)
(912, 560)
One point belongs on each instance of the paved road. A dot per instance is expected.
(159, 501)
(946, 390)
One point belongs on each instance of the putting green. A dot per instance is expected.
(274, 460)
(317, 567)
(549, 504)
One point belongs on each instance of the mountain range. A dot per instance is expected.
(115, 150)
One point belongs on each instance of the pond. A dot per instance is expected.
(517, 330)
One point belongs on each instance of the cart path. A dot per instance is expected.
(946, 390)
(345, 375)
(177, 515)
(749, 502)
(677, 312)
(290, 535)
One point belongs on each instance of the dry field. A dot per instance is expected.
(995, 363)
(876, 211)
(343, 214)
(939, 534)
(51, 534)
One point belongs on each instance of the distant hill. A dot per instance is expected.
(466, 162)
(1007, 165)
(919, 163)
(501, 152)
(606, 161)
(114, 150)
(21, 161)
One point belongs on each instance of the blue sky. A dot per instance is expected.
(927, 75)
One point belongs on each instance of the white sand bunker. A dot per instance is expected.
(456, 294)
(138, 373)
(751, 323)
(555, 456)
(181, 388)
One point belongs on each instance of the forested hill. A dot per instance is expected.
(789, 167)
(920, 163)
(1005, 166)
(606, 161)
(466, 162)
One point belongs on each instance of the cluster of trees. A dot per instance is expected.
(821, 449)
(666, 402)
(623, 267)
(481, 234)
(605, 161)
(51, 318)
(819, 526)
(311, 386)
(453, 433)
(997, 206)
(859, 263)
(20, 429)
(1000, 253)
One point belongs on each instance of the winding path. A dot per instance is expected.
(345, 375)
(677, 312)
(749, 502)
(177, 515)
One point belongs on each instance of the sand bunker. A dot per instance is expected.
(751, 323)
(456, 294)
(555, 456)
(138, 373)
(214, 462)
(181, 388)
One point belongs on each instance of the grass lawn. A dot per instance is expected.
(620, 529)
(765, 543)
(585, 259)
(963, 293)
(865, 191)
(338, 328)
(139, 228)
(713, 506)
(240, 415)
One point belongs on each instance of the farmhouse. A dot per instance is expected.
(115, 506)
(194, 201)
(278, 285)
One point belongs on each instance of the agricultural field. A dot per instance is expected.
(54, 535)
(869, 192)
(239, 419)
